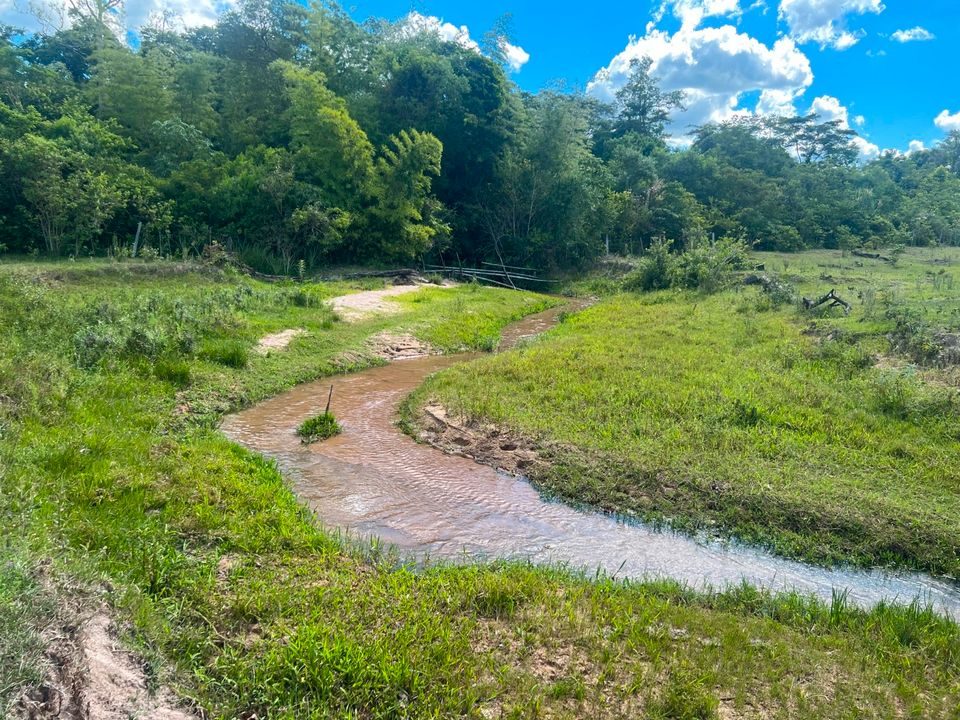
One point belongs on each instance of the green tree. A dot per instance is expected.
(642, 107)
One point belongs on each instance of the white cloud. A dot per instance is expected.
(448, 32)
(415, 23)
(515, 55)
(824, 21)
(947, 122)
(830, 108)
(859, 120)
(916, 146)
(714, 67)
(918, 34)
(692, 12)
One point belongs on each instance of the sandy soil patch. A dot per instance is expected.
(278, 341)
(93, 678)
(361, 305)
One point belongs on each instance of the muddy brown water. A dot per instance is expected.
(374, 481)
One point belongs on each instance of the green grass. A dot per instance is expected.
(114, 480)
(319, 428)
(728, 414)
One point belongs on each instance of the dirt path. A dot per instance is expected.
(278, 341)
(92, 677)
(361, 305)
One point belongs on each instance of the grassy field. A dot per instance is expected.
(816, 434)
(116, 488)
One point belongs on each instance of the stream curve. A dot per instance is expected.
(374, 481)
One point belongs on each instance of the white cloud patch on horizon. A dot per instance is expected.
(714, 66)
(824, 21)
(830, 108)
(947, 121)
(917, 34)
(916, 146)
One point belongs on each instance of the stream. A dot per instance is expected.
(374, 481)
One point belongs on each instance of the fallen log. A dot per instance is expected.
(832, 298)
(871, 256)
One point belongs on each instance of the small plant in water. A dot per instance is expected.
(319, 428)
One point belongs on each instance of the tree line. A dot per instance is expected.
(294, 134)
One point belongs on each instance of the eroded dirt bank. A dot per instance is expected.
(91, 676)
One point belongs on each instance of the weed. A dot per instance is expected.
(684, 697)
(231, 353)
(319, 427)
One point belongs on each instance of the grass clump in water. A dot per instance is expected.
(320, 427)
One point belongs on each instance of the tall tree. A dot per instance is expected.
(642, 107)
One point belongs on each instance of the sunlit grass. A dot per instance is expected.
(724, 413)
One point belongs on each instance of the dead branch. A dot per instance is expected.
(832, 298)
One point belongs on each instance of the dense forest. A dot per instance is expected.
(289, 133)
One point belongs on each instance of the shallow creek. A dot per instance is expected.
(372, 480)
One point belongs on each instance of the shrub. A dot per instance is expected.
(319, 428)
(145, 342)
(706, 267)
(654, 269)
(91, 344)
(231, 353)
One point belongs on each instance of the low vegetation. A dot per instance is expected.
(826, 437)
(319, 427)
(116, 487)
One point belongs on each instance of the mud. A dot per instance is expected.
(485, 443)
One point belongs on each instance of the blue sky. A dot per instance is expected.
(894, 89)
(886, 67)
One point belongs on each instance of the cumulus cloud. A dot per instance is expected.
(714, 67)
(448, 32)
(947, 122)
(917, 34)
(830, 108)
(516, 57)
(185, 13)
(824, 21)
(916, 146)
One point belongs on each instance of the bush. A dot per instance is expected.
(319, 428)
(231, 353)
(654, 269)
(706, 267)
(91, 344)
